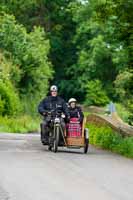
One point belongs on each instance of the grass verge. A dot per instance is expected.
(106, 138)
(21, 124)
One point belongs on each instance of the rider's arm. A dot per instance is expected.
(42, 107)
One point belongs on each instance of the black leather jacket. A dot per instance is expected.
(53, 103)
(76, 113)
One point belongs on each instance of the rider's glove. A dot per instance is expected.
(44, 113)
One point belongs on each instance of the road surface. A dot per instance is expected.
(28, 171)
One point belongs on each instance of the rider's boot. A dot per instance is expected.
(44, 135)
(44, 139)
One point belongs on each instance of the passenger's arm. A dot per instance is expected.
(65, 110)
(81, 114)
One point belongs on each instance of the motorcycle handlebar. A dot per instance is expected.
(53, 113)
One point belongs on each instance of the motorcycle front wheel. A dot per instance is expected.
(56, 140)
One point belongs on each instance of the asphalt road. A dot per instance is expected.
(28, 171)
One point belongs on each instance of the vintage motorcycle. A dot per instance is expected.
(60, 137)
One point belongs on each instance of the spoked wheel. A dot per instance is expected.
(86, 145)
(56, 140)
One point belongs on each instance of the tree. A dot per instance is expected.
(55, 18)
(95, 94)
(29, 54)
(89, 40)
(103, 44)
(9, 98)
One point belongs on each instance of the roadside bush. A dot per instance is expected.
(29, 52)
(122, 112)
(126, 147)
(9, 100)
(130, 117)
(22, 124)
(95, 94)
(106, 138)
(124, 90)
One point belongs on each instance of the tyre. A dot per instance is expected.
(50, 148)
(86, 135)
(44, 139)
(86, 145)
(44, 142)
(56, 140)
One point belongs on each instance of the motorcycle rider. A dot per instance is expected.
(51, 103)
(74, 110)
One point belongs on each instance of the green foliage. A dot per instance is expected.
(9, 100)
(22, 124)
(22, 9)
(106, 138)
(95, 94)
(55, 18)
(122, 112)
(29, 52)
(96, 58)
(89, 40)
(103, 136)
(102, 50)
(29, 69)
(84, 40)
(124, 89)
(124, 85)
(8, 70)
(126, 147)
(130, 107)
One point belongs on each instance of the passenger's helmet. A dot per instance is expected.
(53, 88)
(72, 100)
